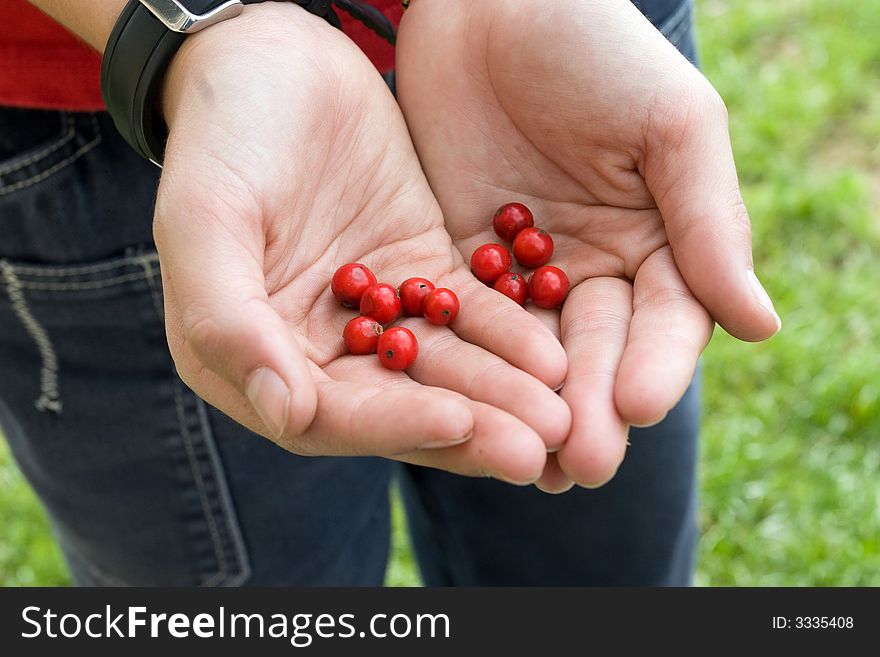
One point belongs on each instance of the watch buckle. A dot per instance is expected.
(178, 18)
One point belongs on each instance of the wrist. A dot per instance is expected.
(149, 34)
(225, 53)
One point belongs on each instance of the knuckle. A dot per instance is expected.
(200, 329)
(601, 320)
(187, 374)
(716, 105)
(685, 107)
(707, 103)
(189, 370)
(668, 297)
(740, 222)
(187, 366)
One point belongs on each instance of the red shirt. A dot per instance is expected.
(42, 65)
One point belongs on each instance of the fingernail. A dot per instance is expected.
(649, 424)
(560, 491)
(445, 442)
(514, 482)
(762, 297)
(270, 397)
(600, 484)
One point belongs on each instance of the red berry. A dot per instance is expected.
(397, 348)
(533, 247)
(380, 302)
(349, 282)
(412, 293)
(489, 261)
(511, 218)
(441, 306)
(548, 287)
(361, 335)
(513, 286)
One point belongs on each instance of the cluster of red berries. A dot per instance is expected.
(532, 247)
(356, 287)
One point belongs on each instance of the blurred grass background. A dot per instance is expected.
(790, 462)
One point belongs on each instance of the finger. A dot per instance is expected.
(553, 480)
(365, 420)
(669, 331)
(549, 318)
(376, 412)
(501, 447)
(448, 362)
(595, 322)
(219, 318)
(502, 326)
(689, 168)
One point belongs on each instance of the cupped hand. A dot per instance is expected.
(287, 158)
(585, 113)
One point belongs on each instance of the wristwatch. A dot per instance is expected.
(144, 39)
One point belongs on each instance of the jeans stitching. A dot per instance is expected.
(66, 136)
(151, 273)
(116, 263)
(33, 180)
(200, 486)
(86, 285)
(146, 261)
(50, 397)
(232, 527)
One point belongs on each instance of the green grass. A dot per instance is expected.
(402, 569)
(790, 463)
(790, 460)
(28, 554)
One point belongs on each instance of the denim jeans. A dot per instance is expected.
(146, 484)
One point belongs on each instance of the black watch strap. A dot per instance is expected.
(137, 55)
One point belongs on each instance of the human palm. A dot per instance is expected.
(269, 186)
(582, 111)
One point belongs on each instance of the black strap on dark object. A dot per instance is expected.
(140, 50)
(371, 17)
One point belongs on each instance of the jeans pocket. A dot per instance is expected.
(121, 453)
(71, 189)
(61, 139)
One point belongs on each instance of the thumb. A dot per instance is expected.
(230, 346)
(689, 169)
